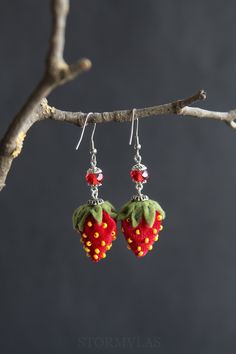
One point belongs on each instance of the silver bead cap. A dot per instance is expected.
(139, 167)
(94, 169)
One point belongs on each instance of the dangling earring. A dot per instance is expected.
(141, 218)
(96, 220)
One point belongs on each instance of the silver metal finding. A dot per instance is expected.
(93, 151)
(84, 126)
(137, 158)
(94, 192)
(132, 126)
(137, 145)
(139, 198)
(93, 163)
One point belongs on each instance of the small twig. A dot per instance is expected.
(227, 117)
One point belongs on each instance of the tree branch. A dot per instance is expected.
(78, 118)
(179, 107)
(58, 72)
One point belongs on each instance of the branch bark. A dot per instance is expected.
(58, 72)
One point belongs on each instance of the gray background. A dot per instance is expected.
(182, 296)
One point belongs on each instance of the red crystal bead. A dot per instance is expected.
(139, 176)
(93, 179)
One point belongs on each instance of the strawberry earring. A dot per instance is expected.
(141, 218)
(96, 220)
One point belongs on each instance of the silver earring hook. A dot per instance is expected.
(92, 139)
(82, 133)
(132, 129)
(132, 126)
(136, 134)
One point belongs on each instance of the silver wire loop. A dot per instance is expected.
(94, 192)
(82, 133)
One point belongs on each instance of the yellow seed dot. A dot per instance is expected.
(96, 234)
(104, 255)
(86, 249)
(97, 250)
(113, 233)
(88, 243)
(146, 240)
(87, 254)
(140, 253)
(156, 238)
(109, 247)
(150, 247)
(128, 219)
(159, 217)
(89, 224)
(139, 248)
(137, 232)
(95, 256)
(81, 240)
(103, 243)
(155, 231)
(129, 240)
(84, 235)
(161, 228)
(129, 248)
(104, 225)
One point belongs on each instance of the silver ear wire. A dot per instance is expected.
(139, 173)
(132, 126)
(82, 133)
(136, 144)
(93, 150)
(93, 172)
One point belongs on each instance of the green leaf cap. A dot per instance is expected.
(81, 213)
(135, 210)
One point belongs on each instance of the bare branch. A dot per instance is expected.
(179, 107)
(59, 11)
(57, 72)
(78, 118)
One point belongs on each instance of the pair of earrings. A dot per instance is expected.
(141, 218)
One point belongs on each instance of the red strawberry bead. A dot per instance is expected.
(97, 225)
(141, 238)
(97, 239)
(141, 222)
